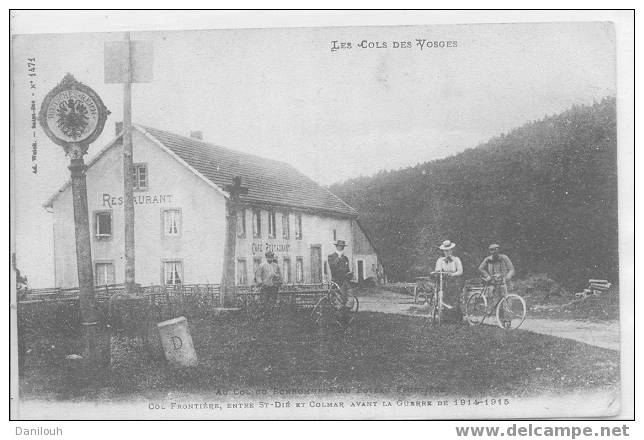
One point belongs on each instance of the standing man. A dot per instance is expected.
(497, 270)
(341, 274)
(269, 278)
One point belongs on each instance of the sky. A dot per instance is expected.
(284, 94)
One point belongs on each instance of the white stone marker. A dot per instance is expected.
(177, 342)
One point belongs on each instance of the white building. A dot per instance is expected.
(180, 216)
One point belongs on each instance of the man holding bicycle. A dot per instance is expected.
(497, 271)
(340, 268)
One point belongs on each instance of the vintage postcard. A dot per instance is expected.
(347, 222)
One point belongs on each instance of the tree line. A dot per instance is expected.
(546, 192)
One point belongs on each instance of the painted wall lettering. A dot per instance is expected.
(110, 200)
(259, 248)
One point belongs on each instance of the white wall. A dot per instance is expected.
(316, 230)
(201, 243)
(202, 239)
(370, 265)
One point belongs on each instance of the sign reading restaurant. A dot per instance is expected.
(181, 216)
(110, 200)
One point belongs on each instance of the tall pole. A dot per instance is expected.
(66, 116)
(128, 198)
(84, 259)
(228, 281)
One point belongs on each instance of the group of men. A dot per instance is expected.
(269, 277)
(496, 270)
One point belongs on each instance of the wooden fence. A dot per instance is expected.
(204, 295)
(42, 311)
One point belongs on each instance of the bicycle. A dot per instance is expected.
(509, 310)
(329, 307)
(423, 289)
(436, 303)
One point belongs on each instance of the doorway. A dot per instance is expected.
(316, 264)
(360, 271)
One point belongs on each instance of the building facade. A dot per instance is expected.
(180, 216)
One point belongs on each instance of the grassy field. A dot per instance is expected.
(547, 299)
(603, 307)
(381, 351)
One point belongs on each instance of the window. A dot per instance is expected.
(103, 224)
(140, 175)
(104, 274)
(299, 270)
(257, 223)
(335, 235)
(171, 223)
(286, 228)
(271, 224)
(286, 270)
(298, 227)
(242, 278)
(172, 272)
(257, 261)
(241, 223)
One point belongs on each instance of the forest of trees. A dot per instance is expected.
(546, 192)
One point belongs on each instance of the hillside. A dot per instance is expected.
(546, 191)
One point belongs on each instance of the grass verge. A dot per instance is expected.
(390, 352)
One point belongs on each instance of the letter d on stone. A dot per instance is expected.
(177, 342)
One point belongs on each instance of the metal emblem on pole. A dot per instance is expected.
(73, 116)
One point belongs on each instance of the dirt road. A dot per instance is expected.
(600, 334)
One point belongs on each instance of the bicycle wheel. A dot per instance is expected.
(321, 310)
(476, 308)
(353, 309)
(422, 293)
(511, 310)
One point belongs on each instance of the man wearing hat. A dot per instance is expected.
(339, 263)
(341, 274)
(497, 269)
(451, 285)
(269, 278)
(496, 265)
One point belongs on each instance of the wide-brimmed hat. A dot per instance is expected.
(447, 245)
(270, 254)
(340, 243)
(493, 246)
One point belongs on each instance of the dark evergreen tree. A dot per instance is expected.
(547, 192)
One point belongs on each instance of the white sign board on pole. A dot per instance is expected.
(141, 56)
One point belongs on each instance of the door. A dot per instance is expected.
(360, 270)
(316, 264)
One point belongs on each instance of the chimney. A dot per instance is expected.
(118, 127)
(197, 134)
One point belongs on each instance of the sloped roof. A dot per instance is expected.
(268, 181)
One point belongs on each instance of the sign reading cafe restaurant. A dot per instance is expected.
(180, 224)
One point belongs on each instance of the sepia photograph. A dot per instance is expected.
(355, 222)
